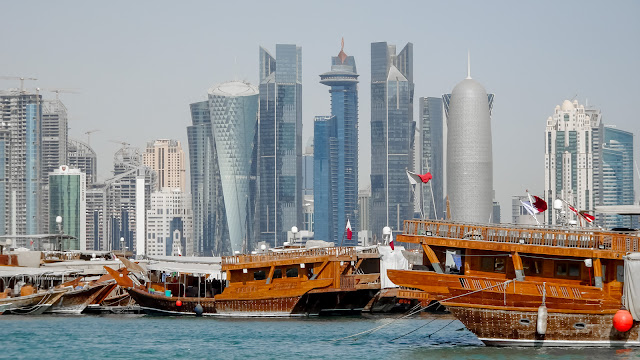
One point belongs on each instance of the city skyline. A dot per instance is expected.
(154, 81)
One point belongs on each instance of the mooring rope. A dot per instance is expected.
(412, 312)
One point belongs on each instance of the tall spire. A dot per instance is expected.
(342, 55)
(468, 64)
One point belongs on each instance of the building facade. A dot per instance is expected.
(280, 149)
(81, 156)
(469, 152)
(169, 223)
(21, 112)
(234, 118)
(343, 83)
(392, 136)
(569, 157)
(166, 158)
(67, 199)
(210, 230)
(431, 150)
(325, 181)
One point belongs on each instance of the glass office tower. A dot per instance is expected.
(392, 136)
(280, 149)
(325, 180)
(210, 231)
(234, 116)
(616, 178)
(432, 157)
(343, 80)
(67, 198)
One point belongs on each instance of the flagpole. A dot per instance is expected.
(531, 202)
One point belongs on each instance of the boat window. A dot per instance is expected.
(493, 264)
(292, 272)
(277, 273)
(532, 266)
(259, 275)
(568, 269)
(579, 325)
(574, 270)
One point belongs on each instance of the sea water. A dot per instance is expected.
(147, 337)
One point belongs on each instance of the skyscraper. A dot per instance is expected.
(431, 157)
(617, 176)
(128, 195)
(234, 117)
(469, 152)
(21, 112)
(325, 181)
(588, 163)
(169, 223)
(81, 156)
(392, 136)
(67, 198)
(343, 82)
(5, 138)
(569, 157)
(166, 158)
(280, 149)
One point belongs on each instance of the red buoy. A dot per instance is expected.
(179, 303)
(622, 320)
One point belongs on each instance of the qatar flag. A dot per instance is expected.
(537, 204)
(587, 217)
(414, 178)
(349, 232)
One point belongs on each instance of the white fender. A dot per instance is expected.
(541, 324)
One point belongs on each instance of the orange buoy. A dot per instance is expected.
(179, 303)
(622, 320)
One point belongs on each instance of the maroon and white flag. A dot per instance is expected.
(415, 179)
(349, 232)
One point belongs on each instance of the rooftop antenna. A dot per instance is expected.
(468, 64)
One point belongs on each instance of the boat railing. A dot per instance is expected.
(290, 254)
(556, 237)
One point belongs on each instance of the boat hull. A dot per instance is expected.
(75, 301)
(35, 304)
(498, 327)
(162, 305)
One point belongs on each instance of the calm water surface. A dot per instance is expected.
(136, 337)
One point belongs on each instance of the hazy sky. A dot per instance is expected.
(139, 64)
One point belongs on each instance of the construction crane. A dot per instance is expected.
(123, 143)
(64, 91)
(88, 133)
(22, 79)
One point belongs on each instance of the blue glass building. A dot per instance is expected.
(432, 157)
(325, 168)
(21, 113)
(280, 148)
(210, 231)
(392, 136)
(234, 116)
(616, 177)
(341, 136)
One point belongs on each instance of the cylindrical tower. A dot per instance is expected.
(234, 110)
(469, 154)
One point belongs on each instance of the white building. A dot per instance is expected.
(569, 156)
(166, 158)
(170, 223)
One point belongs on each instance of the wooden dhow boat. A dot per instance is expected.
(529, 286)
(33, 304)
(298, 282)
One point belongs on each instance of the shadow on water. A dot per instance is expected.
(132, 336)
